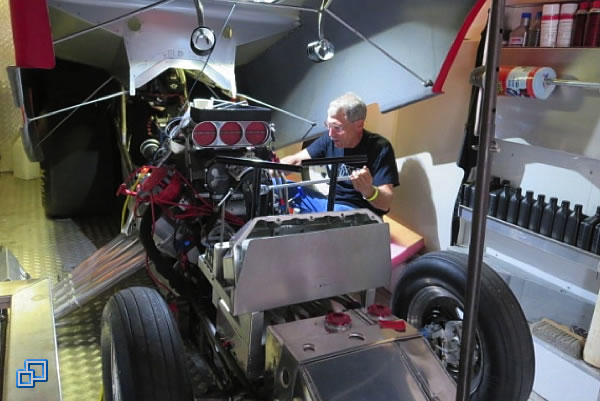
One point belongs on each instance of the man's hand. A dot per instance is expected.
(363, 182)
(295, 159)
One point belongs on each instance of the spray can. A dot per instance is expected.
(592, 28)
(550, 15)
(579, 26)
(565, 24)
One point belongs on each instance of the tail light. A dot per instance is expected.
(204, 134)
(256, 133)
(230, 133)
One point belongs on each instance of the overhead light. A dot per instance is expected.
(322, 49)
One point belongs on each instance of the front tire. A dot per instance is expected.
(143, 358)
(430, 294)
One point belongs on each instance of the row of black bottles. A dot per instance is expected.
(535, 214)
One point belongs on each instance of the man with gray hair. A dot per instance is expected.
(371, 184)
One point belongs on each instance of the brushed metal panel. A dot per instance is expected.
(32, 336)
(315, 265)
(568, 120)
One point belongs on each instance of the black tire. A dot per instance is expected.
(143, 358)
(433, 286)
(80, 168)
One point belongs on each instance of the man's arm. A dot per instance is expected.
(383, 201)
(379, 197)
(296, 158)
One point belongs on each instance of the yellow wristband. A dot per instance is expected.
(374, 196)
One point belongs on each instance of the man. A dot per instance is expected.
(371, 185)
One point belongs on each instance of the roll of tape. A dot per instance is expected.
(525, 81)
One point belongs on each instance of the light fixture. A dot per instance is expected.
(322, 49)
(202, 40)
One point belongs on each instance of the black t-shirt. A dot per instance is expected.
(380, 161)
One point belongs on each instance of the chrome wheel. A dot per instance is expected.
(439, 313)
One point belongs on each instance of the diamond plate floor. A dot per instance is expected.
(49, 248)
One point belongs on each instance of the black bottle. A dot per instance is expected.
(525, 209)
(496, 184)
(548, 217)
(503, 199)
(461, 194)
(573, 225)
(493, 198)
(471, 190)
(512, 213)
(586, 230)
(537, 209)
(560, 220)
(595, 245)
(468, 194)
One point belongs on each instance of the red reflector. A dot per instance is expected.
(204, 134)
(256, 133)
(230, 133)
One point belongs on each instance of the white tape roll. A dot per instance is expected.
(526, 81)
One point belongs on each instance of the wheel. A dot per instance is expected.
(143, 358)
(430, 296)
(79, 171)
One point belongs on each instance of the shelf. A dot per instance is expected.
(549, 245)
(525, 3)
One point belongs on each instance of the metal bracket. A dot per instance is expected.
(493, 147)
(477, 76)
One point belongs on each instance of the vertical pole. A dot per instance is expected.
(332, 184)
(256, 192)
(481, 201)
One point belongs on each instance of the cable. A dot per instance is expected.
(206, 61)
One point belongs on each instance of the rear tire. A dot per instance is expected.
(431, 290)
(143, 358)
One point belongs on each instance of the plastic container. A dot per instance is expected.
(595, 244)
(525, 209)
(586, 230)
(548, 217)
(592, 27)
(565, 24)
(537, 209)
(579, 24)
(533, 35)
(572, 226)
(503, 199)
(512, 213)
(560, 220)
(518, 36)
(494, 197)
(549, 29)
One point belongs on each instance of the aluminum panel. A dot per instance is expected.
(376, 374)
(31, 336)
(9, 114)
(313, 265)
(568, 119)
